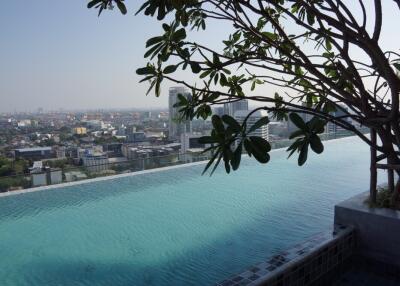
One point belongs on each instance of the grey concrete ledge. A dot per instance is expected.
(359, 203)
(377, 229)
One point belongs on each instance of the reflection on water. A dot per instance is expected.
(174, 227)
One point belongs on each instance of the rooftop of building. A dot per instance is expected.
(33, 149)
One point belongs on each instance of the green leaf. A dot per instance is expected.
(260, 143)
(217, 124)
(316, 125)
(146, 78)
(100, 10)
(142, 7)
(261, 122)
(294, 146)
(316, 144)
(217, 163)
(216, 60)
(223, 80)
(206, 140)
(262, 158)
(328, 44)
(205, 73)
(212, 96)
(182, 99)
(157, 88)
(270, 36)
(253, 86)
(93, 3)
(216, 78)
(298, 121)
(166, 27)
(310, 19)
(248, 146)
(121, 6)
(296, 133)
(227, 166)
(153, 41)
(179, 35)
(303, 154)
(170, 69)
(196, 68)
(144, 71)
(259, 148)
(210, 163)
(154, 51)
(237, 155)
(227, 154)
(232, 123)
(152, 84)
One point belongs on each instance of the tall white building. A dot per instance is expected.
(332, 127)
(176, 127)
(231, 107)
(263, 131)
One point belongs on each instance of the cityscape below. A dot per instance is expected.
(42, 148)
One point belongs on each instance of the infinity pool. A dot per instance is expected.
(174, 227)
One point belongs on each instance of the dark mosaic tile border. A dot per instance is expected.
(303, 264)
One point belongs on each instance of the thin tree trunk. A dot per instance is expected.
(373, 170)
(395, 187)
(391, 180)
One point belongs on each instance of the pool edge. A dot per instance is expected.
(136, 173)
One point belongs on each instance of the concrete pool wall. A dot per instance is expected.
(377, 229)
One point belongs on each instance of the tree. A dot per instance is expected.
(5, 167)
(321, 54)
(16, 181)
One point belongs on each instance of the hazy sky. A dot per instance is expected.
(58, 54)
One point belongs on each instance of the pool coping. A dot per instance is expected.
(314, 257)
(99, 179)
(135, 173)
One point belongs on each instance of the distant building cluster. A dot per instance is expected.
(53, 147)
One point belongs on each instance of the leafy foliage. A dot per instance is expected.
(108, 4)
(313, 64)
(307, 135)
(229, 139)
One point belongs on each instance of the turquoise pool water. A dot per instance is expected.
(174, 227)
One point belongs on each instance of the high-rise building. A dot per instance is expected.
(176, 125)
(263, 131)
(230, 108)
(332, 127)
